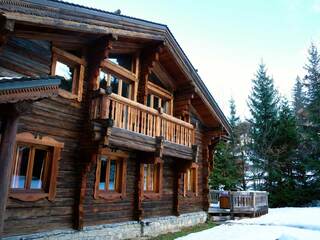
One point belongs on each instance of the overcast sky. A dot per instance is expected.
(226, 39)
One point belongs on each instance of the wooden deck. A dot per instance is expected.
(231, 205)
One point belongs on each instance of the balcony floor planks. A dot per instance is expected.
(136, 141)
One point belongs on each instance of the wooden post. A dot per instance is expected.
(176, 191)
(158, 125)
(253, 196)
(8, 138)
(139, 192)
(231, 202)
(6, 28)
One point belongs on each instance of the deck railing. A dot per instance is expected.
(136, 117)
(242, 201)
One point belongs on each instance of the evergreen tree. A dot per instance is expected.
(299, 101)
(234, 136)
(283, 191)
(234, 119)
(237, 146)
(299, 106)
(312, 127)
(263, 107)
(242, 130)
(225, 173)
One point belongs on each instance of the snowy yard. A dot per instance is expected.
(280, 223)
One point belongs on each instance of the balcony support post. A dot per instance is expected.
(6, 28)
(97, 51)
(159, 147)
(10, 115)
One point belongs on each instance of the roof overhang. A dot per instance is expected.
(14, 90)
(73, 17)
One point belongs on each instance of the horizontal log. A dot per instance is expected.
(79, 27)
(119, 71)
(135, 141)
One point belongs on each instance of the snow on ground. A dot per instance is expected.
(279, 223)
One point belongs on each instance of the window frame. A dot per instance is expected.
(30, 164)
(121, 158)
(122, 74)
(59, 55)
(37, 142)
(162, 94)
(120, 83)
(157, 179)
(193, 181)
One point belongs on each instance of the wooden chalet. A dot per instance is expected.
(103, 121)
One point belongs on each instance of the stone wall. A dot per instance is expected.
(128, 230)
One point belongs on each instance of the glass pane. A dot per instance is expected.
(103, 80)
(145, 176)
(103, 168)
(20, 168)
(189, 180)
(66, 72)
(155, 102)
(154, 79)
(112, 175)
(164, 105)
(151, 177)
(114, 84)
(125, 89)
(40, 156)
(114, 60)
(149, 100)
(123, 60)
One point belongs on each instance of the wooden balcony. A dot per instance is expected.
(142, 120)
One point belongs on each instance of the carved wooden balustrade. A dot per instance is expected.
(136, 117)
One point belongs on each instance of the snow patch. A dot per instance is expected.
(278, 224)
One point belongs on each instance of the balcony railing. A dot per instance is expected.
(136, 117)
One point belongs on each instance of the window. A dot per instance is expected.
(118, 86)
(35, 168)
(67, 72)
(111, 176)
(159, 97)
(71, 68)
(149, 177)
(152, 177)
(123, 60)
(190, 181)
(31, 167)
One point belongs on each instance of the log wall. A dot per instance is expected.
(100, 211)
(194, 203)
(58, 118)
(63, 120)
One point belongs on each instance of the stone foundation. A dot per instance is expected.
(150, 227)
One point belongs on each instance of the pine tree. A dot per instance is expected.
(312, 128)
(242, 130)
(299, 100)
(225, 173)
(283, 191)
(237, 147)
(234, 119)
(263, 107)
(299, 107)
(234, 136)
